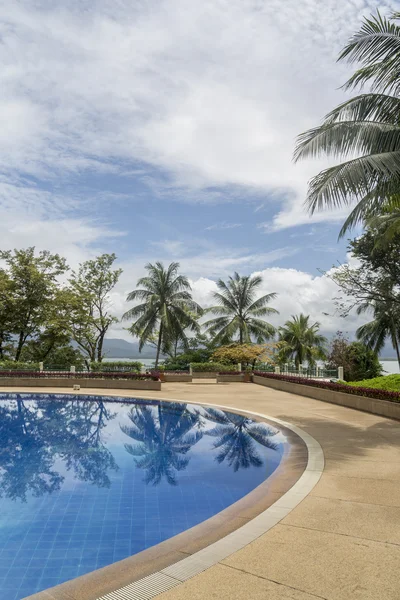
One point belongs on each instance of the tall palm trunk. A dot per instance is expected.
(159, 345)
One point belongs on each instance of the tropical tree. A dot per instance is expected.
(238, 438)
(31, 292)
(375, 280)
(385, 325)
(364, 130)
(358, 361)
(300, 341)
(167, 308)
(165, 438)
(91, 287)
(246, 354)
(239, 311)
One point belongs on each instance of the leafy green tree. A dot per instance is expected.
(33, 291)
(376, 279)
(7, 313)
(358, 361)
(167, 308)
(386, 324)
(165, 437)
(237, 439)
(239, 311)
(365, 130)
(61, 355)
(90, 287)
(300, 341)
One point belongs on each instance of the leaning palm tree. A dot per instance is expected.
(365, 130)
(238, 438)
(167, 308)
(301, 342)
(384, 325)
(239, 311)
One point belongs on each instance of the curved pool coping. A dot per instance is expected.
(179, 571)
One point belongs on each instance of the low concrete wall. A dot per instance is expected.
(384, 408)
(178, 377)
(110, 384)
(230, 378)
(204, 375)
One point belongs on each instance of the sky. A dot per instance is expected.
(164, 130)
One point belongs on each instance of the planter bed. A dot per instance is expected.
(226, 378)
(178, 377)
(126, 381)
(332, 393)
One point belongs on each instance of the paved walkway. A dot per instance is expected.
(343, 541)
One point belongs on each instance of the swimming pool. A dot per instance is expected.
(88, 481)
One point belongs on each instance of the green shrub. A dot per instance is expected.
(122, 366)
(12, 365)
(386, 382)
(182, 361)
(358, 361)
(212, 367)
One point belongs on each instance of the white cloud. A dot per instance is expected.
(213, 92)
(73, 238)
(170, 247)
(223, 225)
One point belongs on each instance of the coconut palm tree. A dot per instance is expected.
(167, 307)
(384, 325)
(365, 130)
(237, 438)
(301, 342)
(165, 438)
(239, 311)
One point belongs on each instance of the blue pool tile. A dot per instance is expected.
(101, 510)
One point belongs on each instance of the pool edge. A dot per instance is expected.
(178, 571)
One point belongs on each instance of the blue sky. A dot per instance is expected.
(165, 131)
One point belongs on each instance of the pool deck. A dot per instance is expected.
(343, 540)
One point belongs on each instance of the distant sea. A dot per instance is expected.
(390, 366)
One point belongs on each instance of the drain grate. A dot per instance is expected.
(144, 589)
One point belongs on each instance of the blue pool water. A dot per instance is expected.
(85, 482)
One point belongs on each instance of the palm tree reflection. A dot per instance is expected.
(165, 437)
(237, 438)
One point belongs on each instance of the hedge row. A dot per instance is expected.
(211, 367)
(336, 387)
(230, 373)
(85, 375)
(119, 366)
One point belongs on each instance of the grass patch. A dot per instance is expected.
(391, 383)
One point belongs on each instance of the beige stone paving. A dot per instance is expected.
(356, 489)
(343, 540)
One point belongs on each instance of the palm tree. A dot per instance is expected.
(238, 438)
(364, 130)
(165, 438)
(167, 306)
(385, 324)
(300, 341)
(239, 311)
